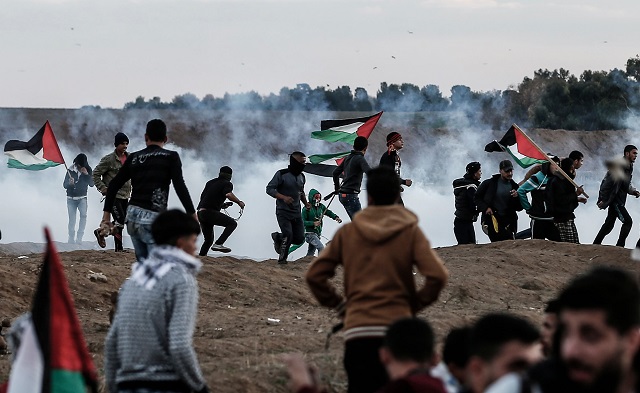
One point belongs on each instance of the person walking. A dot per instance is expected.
(103, 173)
(542, 226)
(76, 182)
(562, 198)
(464, 191)
(312, 218)
(353, 167)
(212, 200)
(391, 158)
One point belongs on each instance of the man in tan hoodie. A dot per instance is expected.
(378, 251)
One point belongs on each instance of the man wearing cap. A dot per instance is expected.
(464, 190)
(102, 175)
(497, 199)
(391, 158)
(213, 197)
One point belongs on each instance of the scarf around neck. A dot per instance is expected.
(160, 261)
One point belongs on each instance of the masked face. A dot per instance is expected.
(316, 199)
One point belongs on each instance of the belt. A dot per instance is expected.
(76, 198)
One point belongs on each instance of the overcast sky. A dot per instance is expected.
(69, 53)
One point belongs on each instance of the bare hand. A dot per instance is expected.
(339, 220)
(316, 223)
(307, 205)
(582, 199)
(287, 199)
(514, 193)
(83, 170)
(71, 181)
(241, 204)
(408, 182)
(103, 191)
(636, 193)
(579, 190)
(600, 204)
(489, 211)
(300, 375)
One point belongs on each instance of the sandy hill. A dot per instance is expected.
(237, 347)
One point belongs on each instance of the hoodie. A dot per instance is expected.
(378, 251)
(309, 216)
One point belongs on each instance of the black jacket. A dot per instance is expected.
(464, 191)
(80, 182)
(560, 198)
(486, 193)
(615, 191)
(392, 160)
(353, 166)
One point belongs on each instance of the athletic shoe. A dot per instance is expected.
(220, 248)
(277, 241)
(101, 242)
(282, 262)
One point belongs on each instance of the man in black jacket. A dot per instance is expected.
(354, 167)
(464, 190)
(613, 195)
(497, 199)
(391, 158)
(151, 170)
(562, 198)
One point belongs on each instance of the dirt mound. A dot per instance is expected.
(239, 348)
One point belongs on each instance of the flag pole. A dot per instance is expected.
(553, 163)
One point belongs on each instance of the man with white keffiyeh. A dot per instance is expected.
(150, 344)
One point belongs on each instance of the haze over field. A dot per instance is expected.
(255, 145)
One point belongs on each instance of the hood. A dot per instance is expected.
(312, 192)
(381, 223)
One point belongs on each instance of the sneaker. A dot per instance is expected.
(220, 248)
(101, 242)
(277, 241)
(282, 262)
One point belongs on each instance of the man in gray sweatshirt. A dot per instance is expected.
(287, 187)
(150, 344)
(353, 167)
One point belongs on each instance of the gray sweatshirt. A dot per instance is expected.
(286, 183)
(151, 338)
(353, 166)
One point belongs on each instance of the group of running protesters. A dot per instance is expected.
(554, 198)
(588, 343)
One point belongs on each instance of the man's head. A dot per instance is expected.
(578, 158)
(549, 325)
(474, 170)
(299, 156)
(394, 141)
(81, 161)
(408, 345)
(383, 186)
(176, 228)
(121, 142)
(455, 352)
(500, 344)
(156, 132)
(598, 332)
(360, 144)
(567, 166)
(506, 169)
(631, 153)
(225, 173)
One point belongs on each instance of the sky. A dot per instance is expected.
(70, 53)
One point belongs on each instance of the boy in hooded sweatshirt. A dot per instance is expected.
(378, 251)
(312, 219)
(76, 182)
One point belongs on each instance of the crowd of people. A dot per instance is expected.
(588, 341)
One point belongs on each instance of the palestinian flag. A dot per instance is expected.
(324, 164)
(346, 130)
(41, 152)
(519, 146)
(52, 356)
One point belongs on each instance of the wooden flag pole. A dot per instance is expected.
(550, 160)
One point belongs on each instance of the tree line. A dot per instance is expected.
(595, 100)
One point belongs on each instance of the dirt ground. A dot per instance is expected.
(240, 351)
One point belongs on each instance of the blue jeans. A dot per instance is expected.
(351, 203)
(314, 243)
(81, 206)
(139, 222)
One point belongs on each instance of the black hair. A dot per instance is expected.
(566, 165)
(609, 289)
(297, 154)
(553, 307)
(81, 161)
(360, 143)
(491, 332)
(171, 225)
(156, 130)
(410, 339)
(383, 185)
(456, 346)
(628, 148)
(576, 155)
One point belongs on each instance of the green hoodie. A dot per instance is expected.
(309, 216)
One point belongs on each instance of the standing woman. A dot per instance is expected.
(76, 181)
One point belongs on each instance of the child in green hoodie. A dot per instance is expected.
(312, 219)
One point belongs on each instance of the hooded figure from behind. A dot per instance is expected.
(76, 182)
(312, 219)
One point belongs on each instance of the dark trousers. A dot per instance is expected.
(119, 213)
(507, 227)
(463, 229)
(544, 229)
(292, 230)
(365, 372)
(615, 212)
(208, 218)
(351, 204)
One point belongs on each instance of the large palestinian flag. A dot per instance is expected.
(346, 130)
(324, 164)
(41, 152)
(53, 356)
(521, 148)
